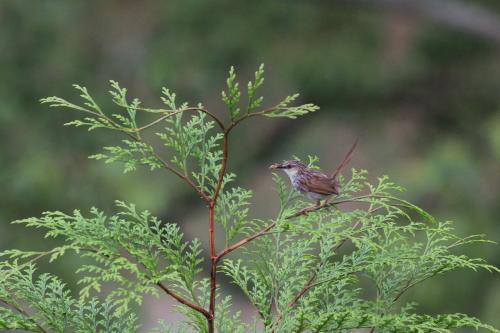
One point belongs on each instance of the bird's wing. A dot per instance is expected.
(320, 183)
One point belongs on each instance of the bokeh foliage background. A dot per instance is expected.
(417, 81)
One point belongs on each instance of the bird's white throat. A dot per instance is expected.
(292, 173)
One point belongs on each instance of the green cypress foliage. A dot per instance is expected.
(302, 271)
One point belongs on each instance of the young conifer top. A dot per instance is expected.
(333, 268)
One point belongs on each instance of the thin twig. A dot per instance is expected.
(172, 112)
(310, 282)
(24, 313)
(303, 290)
(179, 174)
(245, 241)
(184, 301)
(163, 162)
(249, 115)
(139, 129)
(272, 225)
(223, 167)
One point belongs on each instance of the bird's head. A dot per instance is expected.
(290, 167)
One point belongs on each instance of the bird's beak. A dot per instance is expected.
(274, 166)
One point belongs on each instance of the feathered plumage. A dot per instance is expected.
(314, 184)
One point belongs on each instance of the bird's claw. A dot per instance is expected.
(306, 210)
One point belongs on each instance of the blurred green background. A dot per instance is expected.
(417, 81)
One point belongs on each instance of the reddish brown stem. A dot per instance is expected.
(184, 178)
(253, 114)
(272, 225)
(165, 165)
(213, 288)
(211, 244)
(213, 267)
(211, 241)
(184, 301)
(211, 202)
(309, 282)
(303, 290)
(244, 241)
(222, 173)
(210, 314)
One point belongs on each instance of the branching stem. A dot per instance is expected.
(184, 301)
(266, 230)
(311, 281)
(209, 199)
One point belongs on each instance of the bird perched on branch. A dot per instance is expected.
(314, 184)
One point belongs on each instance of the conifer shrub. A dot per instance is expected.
(307, 269)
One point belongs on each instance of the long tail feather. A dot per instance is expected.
(346, 160)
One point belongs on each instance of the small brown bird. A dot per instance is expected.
(313, 184)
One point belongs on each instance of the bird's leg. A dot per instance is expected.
(327, 205)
